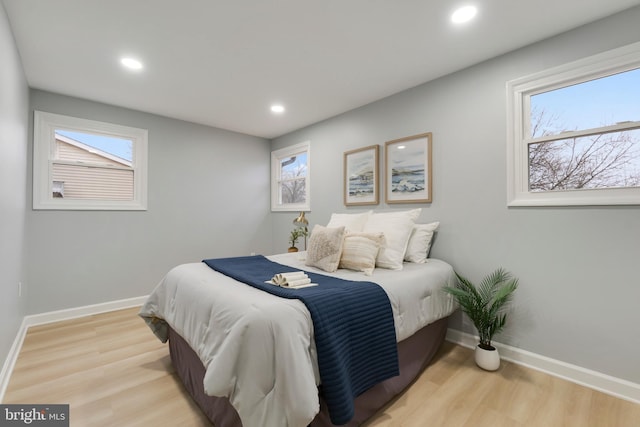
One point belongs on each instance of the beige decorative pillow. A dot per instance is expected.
(325, 247)
(359, 251)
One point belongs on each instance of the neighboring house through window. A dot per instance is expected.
(574, 133)
(290, 178)
(89, 165)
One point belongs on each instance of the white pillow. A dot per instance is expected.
(396, 227)
(351, 222)
(325, 248)
(420, 242)
(359, 251)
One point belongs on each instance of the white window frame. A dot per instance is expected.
(519, 92)
(44, 127)
(276, 157)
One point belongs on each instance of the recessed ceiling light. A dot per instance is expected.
(277, 108)
(131, 63)
(464, 14)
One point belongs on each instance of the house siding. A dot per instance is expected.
(109, 181)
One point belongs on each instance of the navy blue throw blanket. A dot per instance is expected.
(353, 327)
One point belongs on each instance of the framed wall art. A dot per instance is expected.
(408, 169)
(361, 176)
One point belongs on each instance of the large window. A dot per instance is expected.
(290, 182)
(89, 165)
(574, 133)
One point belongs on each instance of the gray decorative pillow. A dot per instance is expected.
(325, 247)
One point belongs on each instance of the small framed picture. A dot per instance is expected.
(408, 169)
(361, 176)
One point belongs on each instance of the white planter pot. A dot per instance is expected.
(488, 360)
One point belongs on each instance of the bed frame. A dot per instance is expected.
(414, 354)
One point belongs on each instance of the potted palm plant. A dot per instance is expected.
(485, 305)
(296, 233)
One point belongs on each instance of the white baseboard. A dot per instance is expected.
(87, 310)
(12, 357)
(56, 316)
(607, 384)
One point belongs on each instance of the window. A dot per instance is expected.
(574, 133)
(290, 178)
(83, 164)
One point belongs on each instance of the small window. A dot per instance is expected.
(574, 133)
(88, 165)
(290, 178)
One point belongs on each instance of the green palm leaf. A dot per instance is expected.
(485, 304)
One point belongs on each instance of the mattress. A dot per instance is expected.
(258, 349)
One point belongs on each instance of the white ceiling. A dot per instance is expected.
(223, 63)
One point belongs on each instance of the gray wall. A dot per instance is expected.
(14, 97)
(208, 197)
(578, 267)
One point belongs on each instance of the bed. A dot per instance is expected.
(249, 358)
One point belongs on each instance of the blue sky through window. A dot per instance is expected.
(119, 147)
(613, 157)
(294, 168)
(596, 103)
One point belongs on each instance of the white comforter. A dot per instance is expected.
(258, 349)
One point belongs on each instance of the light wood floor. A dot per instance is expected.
(112, 371)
